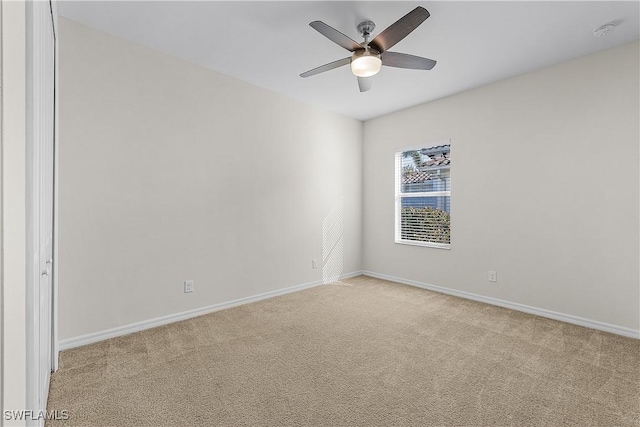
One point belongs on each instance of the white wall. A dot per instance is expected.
(169, 171)
(545, 178)
(13, 207)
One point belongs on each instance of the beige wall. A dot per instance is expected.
(169, 171)
(13, 207)
(545, 189)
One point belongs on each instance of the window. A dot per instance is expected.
(423, 196)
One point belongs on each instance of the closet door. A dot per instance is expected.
(40, 176)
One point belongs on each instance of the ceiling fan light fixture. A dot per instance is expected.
(365, 64)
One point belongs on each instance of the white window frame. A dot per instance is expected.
(399, 195)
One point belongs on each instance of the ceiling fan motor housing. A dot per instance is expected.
(366, 62)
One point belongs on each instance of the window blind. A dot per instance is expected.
(423, 196)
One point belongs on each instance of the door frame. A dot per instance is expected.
(55, 353)
(1, 238)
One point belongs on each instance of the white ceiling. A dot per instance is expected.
(269, 44)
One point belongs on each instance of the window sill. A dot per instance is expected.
(424, 244)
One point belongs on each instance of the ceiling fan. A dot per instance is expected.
(369, 56)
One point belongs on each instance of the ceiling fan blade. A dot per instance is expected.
(336, 36)
(326, 67)
(403, 60)
(364, 83)
(399, 29)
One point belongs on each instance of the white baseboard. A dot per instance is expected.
(159, 321)
(568, 318)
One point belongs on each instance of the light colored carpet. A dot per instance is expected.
(360, 352)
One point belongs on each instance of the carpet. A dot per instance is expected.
(362, 352)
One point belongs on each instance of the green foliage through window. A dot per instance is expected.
(425, 225)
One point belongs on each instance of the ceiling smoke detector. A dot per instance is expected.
(603, 30)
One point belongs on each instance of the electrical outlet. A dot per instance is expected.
(493, 276)
(314, 263)
(188, 286)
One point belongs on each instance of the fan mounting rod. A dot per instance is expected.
(365, 28)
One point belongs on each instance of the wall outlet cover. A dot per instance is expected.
(188, 286)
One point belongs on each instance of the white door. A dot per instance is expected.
(40, 149)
